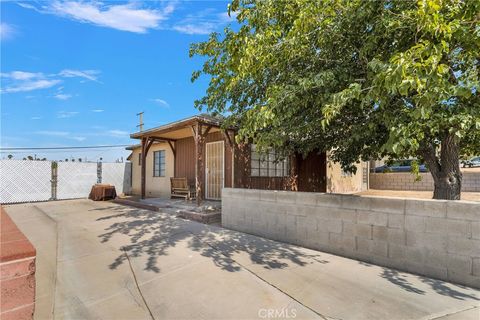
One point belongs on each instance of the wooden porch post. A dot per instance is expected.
(231, 144)
(199, 135)
(146, 144)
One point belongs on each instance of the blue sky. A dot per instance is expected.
(75, 73)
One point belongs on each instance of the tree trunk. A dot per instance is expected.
(445, 169)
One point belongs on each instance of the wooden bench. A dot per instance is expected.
(179, 188)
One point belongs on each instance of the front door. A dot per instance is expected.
(214, 170)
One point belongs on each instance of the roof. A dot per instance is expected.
(139, 145)
(133, 147)
(204, 118)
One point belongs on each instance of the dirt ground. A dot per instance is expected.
(476, 169)
(470, 196)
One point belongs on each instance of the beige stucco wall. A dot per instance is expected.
(155, 186)
(344, 183)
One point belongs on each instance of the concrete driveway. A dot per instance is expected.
(98, 260)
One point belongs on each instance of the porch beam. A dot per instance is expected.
(149, 144)
(227, 137)
(174, 151)
(163, 139)
(146, 144)
(194, 131)
(172, 148)
(207, 130)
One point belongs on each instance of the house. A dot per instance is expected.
(197, 148)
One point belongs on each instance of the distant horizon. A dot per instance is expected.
(77, 73)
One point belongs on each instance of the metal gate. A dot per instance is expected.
(25, 181)
(214, 170)
(74, 179)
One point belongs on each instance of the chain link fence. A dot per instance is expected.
(30, 181)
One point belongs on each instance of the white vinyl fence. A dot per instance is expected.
(29, 181)
(118, 174)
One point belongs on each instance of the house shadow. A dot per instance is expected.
(151, 234)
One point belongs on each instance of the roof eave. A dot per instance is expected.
(177, 124)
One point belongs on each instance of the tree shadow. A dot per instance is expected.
(441, 287)
(400, 280)
(152, 234)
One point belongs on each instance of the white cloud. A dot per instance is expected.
(66, 114)
(130, 17)
(161, 102)
(62, 134)
(52, 133)
(97, 110)
(203, 22)
(198, 28)
(62, 96)
(35, 118)
(134, 16)
(22, 75)
(31, 85)
(23, 81)
(7, 31)
(117, 133)
(26, 5)
(87, 74)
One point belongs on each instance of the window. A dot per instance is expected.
(268, 165)
(140, 159)
(159, 163)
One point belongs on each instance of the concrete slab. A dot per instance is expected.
(98, 260)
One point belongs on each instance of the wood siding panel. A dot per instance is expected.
(185, 159)
(311, 173)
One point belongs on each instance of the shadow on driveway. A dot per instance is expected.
(153, 233)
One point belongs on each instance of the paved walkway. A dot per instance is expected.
(98, 260)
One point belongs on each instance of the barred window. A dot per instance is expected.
(268, 164)
(159, 163)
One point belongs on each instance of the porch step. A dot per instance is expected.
(136, 204)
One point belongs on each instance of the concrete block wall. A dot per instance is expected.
(406, 181)
(435, 238)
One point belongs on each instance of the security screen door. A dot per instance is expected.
(214, 170)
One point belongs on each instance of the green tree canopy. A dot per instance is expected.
(364, 79)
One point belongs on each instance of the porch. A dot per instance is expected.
(202, 154)
(208, 212)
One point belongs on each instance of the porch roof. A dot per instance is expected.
(179, 129)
